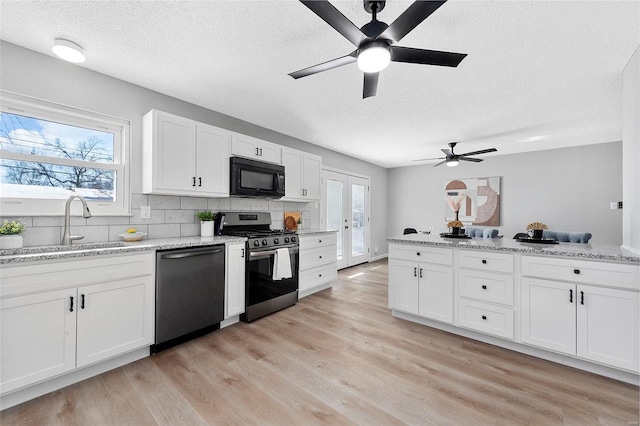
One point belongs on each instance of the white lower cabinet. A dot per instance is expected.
(38, 335)
(418, 287)
(50, 325)
(595, 323)
(318, 267)
(235, 280)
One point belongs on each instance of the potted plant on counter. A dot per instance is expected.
(10, 237)
(206, 223)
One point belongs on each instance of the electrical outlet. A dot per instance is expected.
(613, 205)
(375, 249)
(619, 204)
(145, 212)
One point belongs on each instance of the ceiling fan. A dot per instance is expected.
(375, 41)
(453, 159)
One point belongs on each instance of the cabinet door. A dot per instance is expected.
(244, 146)
(234, 294)
(549, 314)
(436, 292)
(270, 152)
(114, 318)
(608, 326)
(311, 177)
(292, 160)
(174, 153)
(213, 151)
(38, 337)
(403, 286)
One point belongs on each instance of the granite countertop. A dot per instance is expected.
(35, 254)
(587, 251)
(303, 232)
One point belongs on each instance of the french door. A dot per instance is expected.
(347, 210)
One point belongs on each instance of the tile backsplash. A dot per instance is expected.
(171, 216)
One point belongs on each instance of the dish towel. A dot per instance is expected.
(281, 264)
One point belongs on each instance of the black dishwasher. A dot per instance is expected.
(189, 294)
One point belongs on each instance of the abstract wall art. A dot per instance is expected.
(476, 199)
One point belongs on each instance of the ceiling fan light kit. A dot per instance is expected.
(68, 50)
(374, 57)
(375, 41)
(451, 159)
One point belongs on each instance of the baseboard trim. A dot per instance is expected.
(378, 257)
(613, 373)
(33, 391)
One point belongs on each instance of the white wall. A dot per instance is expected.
(631, 147)
(568, 189)
(33, 74)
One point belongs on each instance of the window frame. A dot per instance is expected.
(13, 103)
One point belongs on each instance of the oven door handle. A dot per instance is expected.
(191, 254)
(268, 253)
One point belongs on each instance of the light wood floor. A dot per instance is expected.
(337, 357)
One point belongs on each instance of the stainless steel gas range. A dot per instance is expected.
(271, 278)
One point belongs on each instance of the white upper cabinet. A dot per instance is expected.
(184, 157)
(256, 149)
(302, 175)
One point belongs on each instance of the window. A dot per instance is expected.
(49, 152)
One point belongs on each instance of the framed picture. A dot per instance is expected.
(473, 201)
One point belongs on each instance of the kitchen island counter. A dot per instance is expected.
(586, 251)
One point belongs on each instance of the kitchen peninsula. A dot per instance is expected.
(575, 304)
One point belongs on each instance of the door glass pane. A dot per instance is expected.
(357, 219)
(334, 210)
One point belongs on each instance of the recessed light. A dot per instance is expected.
(68, 50)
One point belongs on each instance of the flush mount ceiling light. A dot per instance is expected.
(68, 50)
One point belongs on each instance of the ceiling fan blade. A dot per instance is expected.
(427, 159)
(370, 84)
(410, 18)
(484, 151)
(325, 66)
(475, 160)
(447, 152)
(442, 162)
(332, 16)
(426, 57)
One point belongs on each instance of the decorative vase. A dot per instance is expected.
(457, 212)
(537, 234)
(11, 241)
(455, 230)
(206, 228)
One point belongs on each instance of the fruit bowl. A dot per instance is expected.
(132, 236)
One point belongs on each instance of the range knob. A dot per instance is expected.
(286, 239)
(293, 239)
(264, 242)
(276, 241)
(256, 243)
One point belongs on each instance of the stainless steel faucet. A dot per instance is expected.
(67, 238)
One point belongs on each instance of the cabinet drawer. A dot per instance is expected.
(318, 240)
(486, 318)
(487, 261)
(65, 273)
(441, 256)
(316, 257)
(486, 286)
(316, 276)
(583, 271)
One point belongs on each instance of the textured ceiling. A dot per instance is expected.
(538, 75)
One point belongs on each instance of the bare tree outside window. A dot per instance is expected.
(45, 154)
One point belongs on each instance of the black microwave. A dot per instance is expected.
(251, 178)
